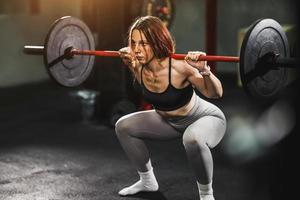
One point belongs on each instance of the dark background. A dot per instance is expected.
(54, 145)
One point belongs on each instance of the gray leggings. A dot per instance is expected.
(202, 129)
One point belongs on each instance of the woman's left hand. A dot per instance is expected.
(192, 58)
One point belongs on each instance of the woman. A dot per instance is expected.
(169, 84)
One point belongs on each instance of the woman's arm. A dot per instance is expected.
(130, 60)
(199, 75)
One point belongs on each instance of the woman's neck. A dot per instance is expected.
(156, 64)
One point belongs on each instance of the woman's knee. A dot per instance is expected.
(122, 126)
(191, 140)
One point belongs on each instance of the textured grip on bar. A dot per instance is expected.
(34, 50)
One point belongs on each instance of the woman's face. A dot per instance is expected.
(140, 47)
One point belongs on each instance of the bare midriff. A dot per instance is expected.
(182, 111)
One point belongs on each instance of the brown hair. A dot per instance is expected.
(157, 35)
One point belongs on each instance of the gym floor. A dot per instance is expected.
(48, 153)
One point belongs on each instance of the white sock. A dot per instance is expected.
(147, 183)
(205, 191)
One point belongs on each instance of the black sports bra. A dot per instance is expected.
(171, 99)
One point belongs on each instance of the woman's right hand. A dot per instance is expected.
(127, 57)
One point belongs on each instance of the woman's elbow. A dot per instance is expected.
(217, 94)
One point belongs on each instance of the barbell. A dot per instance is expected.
(69, 53)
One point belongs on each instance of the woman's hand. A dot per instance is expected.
(192, 59)
(127, 57)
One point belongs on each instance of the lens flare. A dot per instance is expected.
(249, 137)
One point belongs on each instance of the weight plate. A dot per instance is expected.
(68, 32)
(259, 79)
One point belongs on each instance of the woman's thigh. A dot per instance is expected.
(147, 125)
(208, 129)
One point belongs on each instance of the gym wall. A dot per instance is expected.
(233, 15)
(19, 25)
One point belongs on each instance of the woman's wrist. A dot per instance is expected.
(205, 71)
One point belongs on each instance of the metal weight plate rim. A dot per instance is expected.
(70, 20)
(63, 22)
(247, 87)
(242, 55)
(270, 25)
(284, 71)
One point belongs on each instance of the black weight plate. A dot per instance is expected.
(163, 9)
(64, 33)
(262, 81)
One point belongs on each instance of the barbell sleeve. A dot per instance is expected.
(286, 62)
(33, 50)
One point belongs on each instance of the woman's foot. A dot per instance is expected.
(147, 183)
(205, 191)
(139, 187)
(207, 197)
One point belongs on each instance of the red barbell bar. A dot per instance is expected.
(175, 56)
